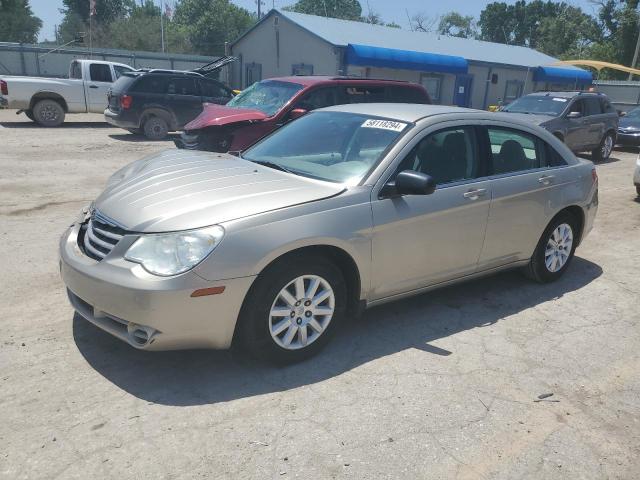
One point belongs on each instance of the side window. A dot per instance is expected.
(577, 106)
(150, 84)
(606, 106)
(432, 84)
(405, 95)
(120, 70)
(213, 89)
(76, 71)
(552, 157)
(448, 155)
(513, 151)
(322, 97)
(301, 69)
(100, 72)
(358, 94)
(182, 86)
(592, 106)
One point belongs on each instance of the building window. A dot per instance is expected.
(301, 69)
(252, 73)
(432, 83)
(512, 90)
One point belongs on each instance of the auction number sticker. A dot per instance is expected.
(384, 124)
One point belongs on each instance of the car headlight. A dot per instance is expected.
(168, 254)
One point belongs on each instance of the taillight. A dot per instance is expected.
(125, 101)
(594, 175)
(4, 88)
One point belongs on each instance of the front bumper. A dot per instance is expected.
(147, 311)
(628, 139)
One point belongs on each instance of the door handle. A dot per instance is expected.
(546, 179)
(475, 193)
(93, 86)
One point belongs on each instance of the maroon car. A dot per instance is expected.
(269, 104)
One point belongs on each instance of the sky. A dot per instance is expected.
(390, 10)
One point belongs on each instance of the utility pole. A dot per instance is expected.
(162, 24)
(635, 55)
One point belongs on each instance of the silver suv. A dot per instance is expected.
(584, 121)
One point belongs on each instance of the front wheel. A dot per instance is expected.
(293, 309)
(603, 152)
(555, 249)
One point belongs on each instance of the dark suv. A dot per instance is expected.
(584, 121)
(269, 104)
(160, 101)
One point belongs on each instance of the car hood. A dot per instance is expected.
(215, 115)
(630, 124)
(537, 119)
(183, 189)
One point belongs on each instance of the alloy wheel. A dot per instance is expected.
(301, 312)
(607, 146)
(558, 247)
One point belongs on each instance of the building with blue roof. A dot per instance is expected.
(455, 71)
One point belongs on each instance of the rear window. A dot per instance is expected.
(123, 83)
(361, 94)
(150, 84)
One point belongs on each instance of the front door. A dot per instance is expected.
(424, 240)
(462, 92)
(100, 81)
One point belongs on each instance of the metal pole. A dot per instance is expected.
(162, 24)
(635, 55)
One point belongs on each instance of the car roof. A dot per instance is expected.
(309, 80)
(563, 94)
(407, 112)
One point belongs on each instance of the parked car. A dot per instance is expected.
(345, 208)
(156, 102)
(636, 176)
(47, 100)
(629, 129)
(269, 104)
(584, 121)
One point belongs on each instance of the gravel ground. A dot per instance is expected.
(439, 386)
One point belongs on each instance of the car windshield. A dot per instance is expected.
(635, 114)
(267, 96)
(332, 146)
(546, 105)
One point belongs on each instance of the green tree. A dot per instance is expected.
(457, 25)
(106, 10)
(210, 23)
(344, 9)
(17, 22)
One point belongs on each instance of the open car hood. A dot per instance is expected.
(216, 115)
(183, 189)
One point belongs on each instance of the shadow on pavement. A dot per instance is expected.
(134, 137)
(34, 126)
(203, 377)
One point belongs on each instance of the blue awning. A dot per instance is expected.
(562, 75)
(369, 56)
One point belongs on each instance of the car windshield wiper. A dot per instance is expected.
(275, 166)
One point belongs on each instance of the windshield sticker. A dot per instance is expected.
(560, 100)
(384, 124)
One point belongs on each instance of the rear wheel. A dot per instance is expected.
(603, 152)
(293, 309)
(555, 249)
(155, 128)
(48, 113)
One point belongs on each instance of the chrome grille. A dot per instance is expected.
(99, 236)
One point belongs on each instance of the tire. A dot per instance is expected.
(638, 190)
(603, 152)
(266, 336)
(48, 113)
(541, 267)
(155, 128)
(29, 115)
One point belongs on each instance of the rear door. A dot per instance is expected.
(526, 184)
(97, 86)
(183, 98)
(596, 120)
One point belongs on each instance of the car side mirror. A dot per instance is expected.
(409, 182)
(297, 113)
(622, 114)
(574, 115)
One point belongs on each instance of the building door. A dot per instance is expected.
(462, 92)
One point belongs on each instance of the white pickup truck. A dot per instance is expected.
(47, 100)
